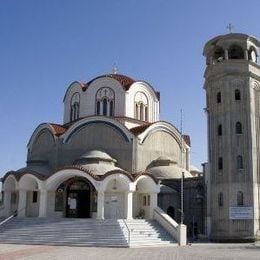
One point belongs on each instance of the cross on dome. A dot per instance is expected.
(115, 69)
(230, 27)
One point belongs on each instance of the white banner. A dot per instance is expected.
(240, 212)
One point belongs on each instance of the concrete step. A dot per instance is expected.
(84, 232)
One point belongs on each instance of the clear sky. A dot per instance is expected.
(45, 45)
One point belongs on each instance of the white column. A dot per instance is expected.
(129, 205)
(246, 54)
(100, 205)
(153, 203)
(7, 203)
(226, 54)
(43, 203)
(22, 203)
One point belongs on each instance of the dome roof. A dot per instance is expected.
(100, 168)
(168, 172)
(125, 81)
(162, 161)
(96, 154)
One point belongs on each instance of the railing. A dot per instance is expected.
(14, 214)
(178, 231)
(128, 231)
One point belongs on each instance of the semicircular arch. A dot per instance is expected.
(10, 183)
(53, 182)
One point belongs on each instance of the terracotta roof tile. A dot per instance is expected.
(125, 81)
(58, 129)
(140, 129)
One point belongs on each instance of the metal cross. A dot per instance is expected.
(115, 69)
(230, 27)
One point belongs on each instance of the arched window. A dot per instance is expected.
(104, 106)
(220, 199)
(98, 107)
(238, 128)
(240, 199)
(240, 162)
(220, 163)
(144, 201)
(236, 52)
(105, 101)
(111, 108)
(141, 106)
(74, 107)
(237, 94)
(219, 54)
(219, 97)
(136, 111)
(146, 114)
(219, 130)
(141, 111)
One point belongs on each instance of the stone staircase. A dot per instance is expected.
(148, 233)
(84, 232)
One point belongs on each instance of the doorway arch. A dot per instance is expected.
(80, 198)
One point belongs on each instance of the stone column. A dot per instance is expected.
(129, 205)
(246, 54)
(22, 203)
(226, 54)
(100, 205)
(7, 203)
(153, 203)
(43, 203)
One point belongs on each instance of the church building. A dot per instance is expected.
(106, 161)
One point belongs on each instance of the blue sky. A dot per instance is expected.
(45, 45)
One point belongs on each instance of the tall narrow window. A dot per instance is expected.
(237, 94)
(239, 162)
(220, 163)
(219, 130)
(98, 107)
(240, 199)
(146, 114)
(219, 97)
(141, 111)
(104, 106)
(74, 106)
(220, 199)
(111, 108)
(238, 128)
(34, 197)
(136, 111)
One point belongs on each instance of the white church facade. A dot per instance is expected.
(105, 161)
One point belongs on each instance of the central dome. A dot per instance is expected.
(96, 155)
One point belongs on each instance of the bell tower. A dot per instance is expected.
(232, 84)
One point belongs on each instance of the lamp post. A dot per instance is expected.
(182, 184)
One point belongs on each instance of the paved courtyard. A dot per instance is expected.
(196, 251)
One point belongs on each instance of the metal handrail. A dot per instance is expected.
(128, 231)
(14, 214)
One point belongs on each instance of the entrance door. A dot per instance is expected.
(78, 200)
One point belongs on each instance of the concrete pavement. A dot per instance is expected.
(194, 252)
